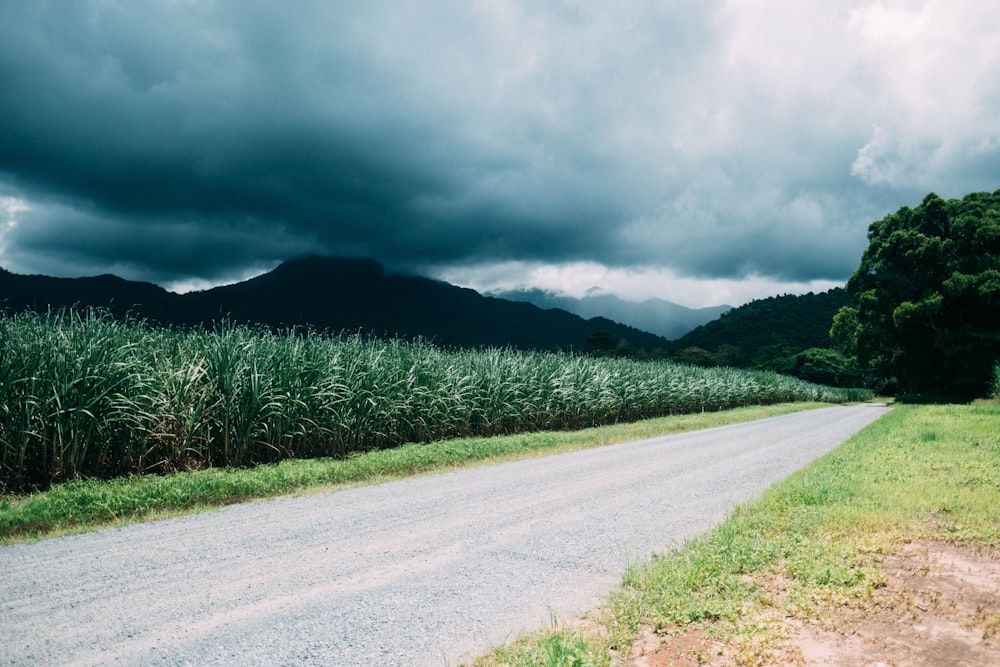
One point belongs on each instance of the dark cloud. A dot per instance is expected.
(186, 140)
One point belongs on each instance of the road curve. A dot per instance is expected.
(425, 571)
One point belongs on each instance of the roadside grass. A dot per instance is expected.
(83, 505)
(927, 472)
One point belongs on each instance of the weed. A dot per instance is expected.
(817, 539)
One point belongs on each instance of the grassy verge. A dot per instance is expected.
(920, 473)
(86, 505)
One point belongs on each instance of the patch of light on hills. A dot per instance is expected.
(185, 285)
(578, 279)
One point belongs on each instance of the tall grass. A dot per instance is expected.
(84, 395)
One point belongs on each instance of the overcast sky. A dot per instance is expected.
(698, 151)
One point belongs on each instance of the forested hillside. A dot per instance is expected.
(788, 333)
(798, 322)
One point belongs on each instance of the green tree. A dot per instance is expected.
(696, 356)
(730, 355)
(601, 344)
(844, 330)
(604, 344)
(827, 366)
(926, 296)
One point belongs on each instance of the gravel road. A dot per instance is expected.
(426, 571)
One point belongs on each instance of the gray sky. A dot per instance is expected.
(703, 152)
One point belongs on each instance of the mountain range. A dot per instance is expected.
(332, 295)
(659, 316)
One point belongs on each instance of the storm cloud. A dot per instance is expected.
(682, 143)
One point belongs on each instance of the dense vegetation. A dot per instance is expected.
(787, 334)
(926, 312)
(919, 317)
(797, 322)
(86, 395)
(85, 504)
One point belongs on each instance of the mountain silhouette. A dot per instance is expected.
(331, 295)
(658, 316)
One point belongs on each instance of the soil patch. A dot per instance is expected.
(940, 607)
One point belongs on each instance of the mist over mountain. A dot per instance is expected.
(332, 295)
(659, 316)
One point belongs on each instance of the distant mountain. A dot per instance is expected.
(122, 297)
(798, 322)
(658, 316)
(334, 295)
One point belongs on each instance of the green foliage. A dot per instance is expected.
(927, 297)
(91, 503)
(845, 329)
(560, 647)
(821, 534)
(827, 366)
(696, 356)
(796, 322)
(84, 395)
(601, 344)
(792, 335)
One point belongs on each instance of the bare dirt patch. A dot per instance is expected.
(940, 607)
(684, 649)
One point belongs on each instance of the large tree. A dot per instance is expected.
(926, 309)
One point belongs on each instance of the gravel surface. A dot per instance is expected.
(426, 571)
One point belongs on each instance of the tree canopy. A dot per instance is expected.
(787, 334)
(797, 322)
(926, 297)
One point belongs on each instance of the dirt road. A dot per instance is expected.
(426, 571)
